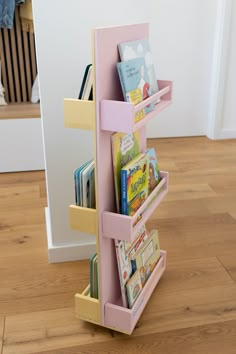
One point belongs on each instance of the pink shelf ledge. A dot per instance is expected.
(123, 227)
(118, 116)
(124, 319)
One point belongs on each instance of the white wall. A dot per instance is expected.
(181, 36)
(21, 145)
(228, 128)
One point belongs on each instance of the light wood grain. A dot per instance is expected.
(20, 110)
(229, 262)
(193, 308)
(215, 338)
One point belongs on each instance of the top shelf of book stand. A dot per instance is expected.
(118, 116)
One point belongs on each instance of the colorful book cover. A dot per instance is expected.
(154, 171)
(125, 147)
(134, 288)
(136, 49)
(134, 184)
(146, 258)
(133, 76)
(124, 252)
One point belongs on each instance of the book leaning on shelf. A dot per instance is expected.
(136, 49)
(136, 262)
(134, 184)
(135, 84)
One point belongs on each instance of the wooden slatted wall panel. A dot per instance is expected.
(18, 58)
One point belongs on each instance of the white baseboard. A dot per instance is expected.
(71, 253)
(228, 134)
(66, 253)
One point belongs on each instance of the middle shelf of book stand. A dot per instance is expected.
(123, 227)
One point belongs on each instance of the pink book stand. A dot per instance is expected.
(109, 113)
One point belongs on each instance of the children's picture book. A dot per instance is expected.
(146, 258)
(84, 181)
(125, 147)
(134, 184)
(134, 288)
(88, 186)
(154, 171)
(124, 252)
(78, 183)
(86, 90)
(135, 83)
(140, 48)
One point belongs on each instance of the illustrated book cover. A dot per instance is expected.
(146, 258)
(136, 49)
(134, 288)
(135, 84)
(124, 252)
(134, 184)
(125, 147)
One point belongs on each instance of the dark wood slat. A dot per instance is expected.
(14, 56)
(20, 56)
(33, 55)
(27, 64)
(3, 63)
(9, 65)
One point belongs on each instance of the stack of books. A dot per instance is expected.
(84, 181)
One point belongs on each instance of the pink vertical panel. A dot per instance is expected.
(107, 87)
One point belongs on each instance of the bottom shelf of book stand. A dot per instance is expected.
(124, 320)
(86, 307)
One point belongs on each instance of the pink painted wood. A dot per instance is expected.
(119, 317)
(106, 84)
(122, 227)
(119, 115)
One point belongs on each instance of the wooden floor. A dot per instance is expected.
(192, 310)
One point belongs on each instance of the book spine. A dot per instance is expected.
(124, 205)
(121, 80)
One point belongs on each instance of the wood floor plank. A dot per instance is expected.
(206, 339)
(229, 262)
(31, 332)
(193, 308)
(190, 191)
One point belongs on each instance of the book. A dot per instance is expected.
(147, 256)
(135, 84)
(154, 171)
(134, 184)
(124, 253)
(86, 90)
(125, 147)
(78, 183)
(88, 186)
(134, 288)
(140, 48)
